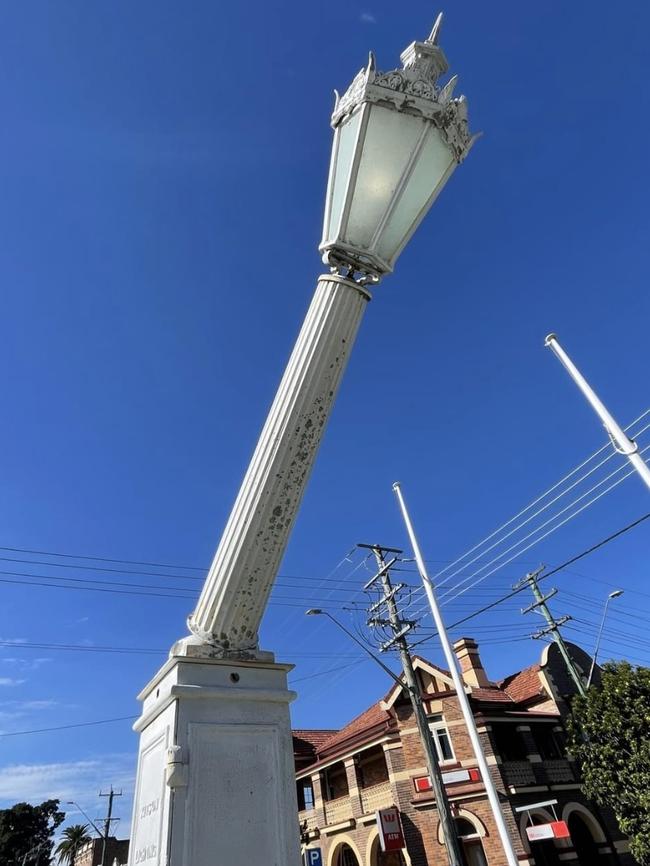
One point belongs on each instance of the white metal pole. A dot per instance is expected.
(622, 442)
(459, 685)
(612, 595)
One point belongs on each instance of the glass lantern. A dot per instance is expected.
(397, 139)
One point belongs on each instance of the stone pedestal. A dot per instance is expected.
(215, 783)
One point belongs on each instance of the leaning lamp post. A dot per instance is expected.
(215, 782)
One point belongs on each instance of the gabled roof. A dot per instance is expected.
(524, 685)
(310, 741)
(374, 716)
(494, 695)
(419, 664)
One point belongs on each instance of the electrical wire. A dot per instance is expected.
(540, 498)
(553, 571)
(538, 528)
(66, 727)
(546, 534)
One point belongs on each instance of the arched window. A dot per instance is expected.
(544, 850)
(472, 846)
(379, 858)
(584, 843)
(346, 857)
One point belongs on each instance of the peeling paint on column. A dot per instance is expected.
(237, 588)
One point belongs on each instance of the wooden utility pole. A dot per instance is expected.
(400, 629)
(111, 794)
(553, 628)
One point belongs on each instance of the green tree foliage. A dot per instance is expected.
(29, 830)
(74, 838)
(609, 736)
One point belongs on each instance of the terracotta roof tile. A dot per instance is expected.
(496, 695)
(310, 741)
(524, 685)
(374, 715)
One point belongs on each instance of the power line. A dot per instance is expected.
(90, 585)
(542, 526)
(66, 727)
(19, 645)
(539, 498)
(102, 559)
(564, 565)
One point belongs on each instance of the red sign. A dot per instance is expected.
(389, 825)
(554, 830)
(452, 777)
(560, 830)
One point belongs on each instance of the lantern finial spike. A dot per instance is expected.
(371, 68)
(435, 33)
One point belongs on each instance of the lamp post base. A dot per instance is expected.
(215, 782)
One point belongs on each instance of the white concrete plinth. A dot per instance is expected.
(215, 783)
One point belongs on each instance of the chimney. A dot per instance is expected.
(474, 675)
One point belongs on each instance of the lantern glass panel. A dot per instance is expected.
(433, 165)
(345, 146)
(389, 143)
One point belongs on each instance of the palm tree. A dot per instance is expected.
(74, 837)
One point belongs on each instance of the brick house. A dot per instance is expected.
(376, 760)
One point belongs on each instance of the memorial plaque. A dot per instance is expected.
(148, 841)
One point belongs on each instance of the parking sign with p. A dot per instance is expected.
(313, 857)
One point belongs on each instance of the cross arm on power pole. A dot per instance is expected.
(397, 637)
(542, 600)
(551, 628)
(382, 601)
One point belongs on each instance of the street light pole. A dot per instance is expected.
(101, 835)
(459, 685)
(398, 137)
(90, 821)
(620, 440)
(615, 594)
(317, 611)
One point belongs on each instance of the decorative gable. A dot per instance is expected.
(433, 681)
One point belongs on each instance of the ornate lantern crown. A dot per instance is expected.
(397, 139)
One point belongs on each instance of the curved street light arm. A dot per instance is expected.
(90, 821)
(316, 611)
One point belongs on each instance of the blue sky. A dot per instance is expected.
(162, 171)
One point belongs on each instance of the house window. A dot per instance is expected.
(441, 738)
(550, 743)
(472, 848)
(305, 794)
(509, 743)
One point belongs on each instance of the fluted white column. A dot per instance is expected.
(237, 587)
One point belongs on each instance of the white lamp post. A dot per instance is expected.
(615, 594)
(452, 662)
(215, 780)
(619, 439)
